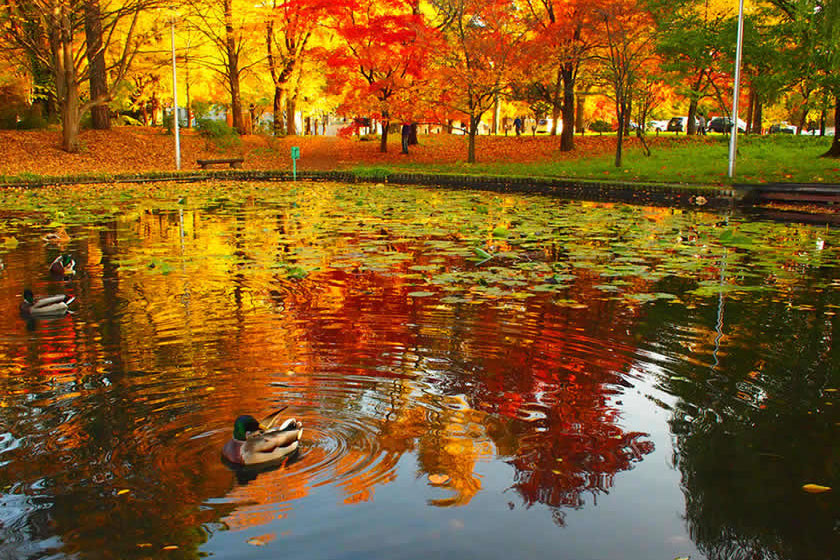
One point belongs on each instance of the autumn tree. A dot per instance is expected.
(229, 29)
(693, 47)
(289, 25)
(564, 35)
(629, 38)
(98, 79)
(50, 35)
(812, 27)
(383, 55)
(483, 39)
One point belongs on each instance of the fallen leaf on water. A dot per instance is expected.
(815, 488)
(261, 540)
(123, 491)
(438, 478)
(144, 545)
(170, 547)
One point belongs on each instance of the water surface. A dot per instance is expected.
(479, 375)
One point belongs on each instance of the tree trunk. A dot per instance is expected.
(472, 132)
(834, 150)
(233, 69)
(291, 109)
(691, 124)
(567, 135)
(756, 128)
(581, 100)
(822, 122)
(70, 119)
(67, 90)
(383, 142)
(278, 111)
(620, 136)
(187, 87)
(556, 111)
(412, 138)
(750, 111)
(100, 118)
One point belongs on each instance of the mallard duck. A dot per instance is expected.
(51, 306)
(255, 442)
(63, 265)
(58, 236)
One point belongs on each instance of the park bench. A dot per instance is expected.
(234, 162)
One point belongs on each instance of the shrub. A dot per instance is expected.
(32, 119)
(218, 132)
(600, 126)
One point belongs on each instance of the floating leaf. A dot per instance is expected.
(482, 253)
(421, 294)
(438, 478)
(170, 547)
(123, 491)
(815, 488)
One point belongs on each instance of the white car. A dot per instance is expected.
(658, 126)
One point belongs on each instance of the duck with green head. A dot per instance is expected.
(63, 266)
(259, 442)
(51, 306)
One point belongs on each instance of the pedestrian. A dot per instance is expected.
(701, 128)
(406, 136)
(517, 125)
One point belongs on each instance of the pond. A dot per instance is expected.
(478, 375)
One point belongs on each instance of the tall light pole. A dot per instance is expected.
(175, 101)
(733, 138)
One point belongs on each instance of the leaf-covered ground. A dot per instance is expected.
(135, 149)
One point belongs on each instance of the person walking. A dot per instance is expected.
(517, 125)
(701, 128)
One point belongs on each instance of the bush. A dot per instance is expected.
(126, 120)
(218, 132)
(600, 126)
(32, 120)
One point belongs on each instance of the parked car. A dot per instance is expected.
(724, 124)
(781, 128)
(678, 124)
(544, 126)
(658, 126)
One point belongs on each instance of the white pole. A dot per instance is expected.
(733, 139)
(175, 102)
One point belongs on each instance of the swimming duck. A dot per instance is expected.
(51, 306)
(63, 265)
(59, 236)
(254, 442)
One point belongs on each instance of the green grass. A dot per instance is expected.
(760, 159)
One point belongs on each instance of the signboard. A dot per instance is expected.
(295, 152)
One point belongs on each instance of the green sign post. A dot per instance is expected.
(295, 157)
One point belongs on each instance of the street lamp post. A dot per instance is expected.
(175, 102)
(733, 139)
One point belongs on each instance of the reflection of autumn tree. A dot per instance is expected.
(556, 393)
(757, 404)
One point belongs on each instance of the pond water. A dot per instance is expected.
(479, 376)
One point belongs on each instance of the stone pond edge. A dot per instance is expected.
(681, 195)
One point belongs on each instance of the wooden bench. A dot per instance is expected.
(234, 162)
